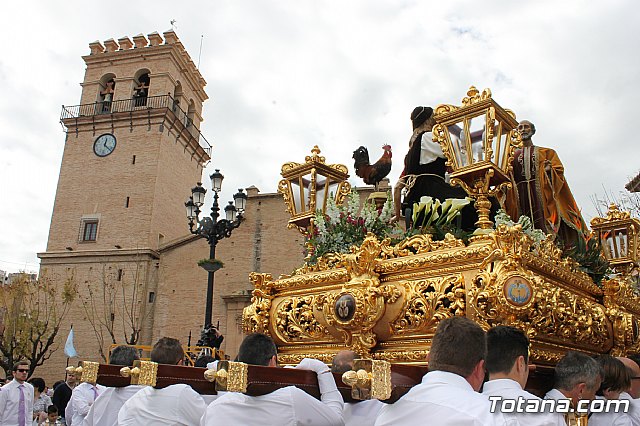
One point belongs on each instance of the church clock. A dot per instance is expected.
(104, 145)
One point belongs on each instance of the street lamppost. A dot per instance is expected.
(213, 230)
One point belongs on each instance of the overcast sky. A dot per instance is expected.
(284, 76)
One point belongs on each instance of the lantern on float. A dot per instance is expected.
(479, 139)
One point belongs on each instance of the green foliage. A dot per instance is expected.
(202, 262)
(591, 259)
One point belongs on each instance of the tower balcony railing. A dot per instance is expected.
(134, 104)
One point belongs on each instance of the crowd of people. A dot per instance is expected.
(475, 378)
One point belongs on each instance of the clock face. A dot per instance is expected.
(104, 145)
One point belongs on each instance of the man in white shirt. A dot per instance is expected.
(577, 377)
(633, 393)
(82, 398)
(508, 368)
(16, 398)
(104, 411)
(174, 405)
(361, 413)
(448, 393)
(288, 406)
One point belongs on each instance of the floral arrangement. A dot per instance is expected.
(434, 217)
(346, 225)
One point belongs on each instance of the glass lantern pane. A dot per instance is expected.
(321, 192)
(456, 136)
(475, 132)
(606, 240)
(621, 242)
(295, 193)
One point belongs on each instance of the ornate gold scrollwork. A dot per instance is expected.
(295, 320)
(356, 308)
(545, 311)
(255, 317)
(428, 301)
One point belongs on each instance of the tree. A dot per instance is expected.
(112, 304)
(33, 312)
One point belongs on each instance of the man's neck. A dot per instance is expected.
(527, 143)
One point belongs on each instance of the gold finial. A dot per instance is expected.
(472, 92)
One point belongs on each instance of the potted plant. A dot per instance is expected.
(210, 265)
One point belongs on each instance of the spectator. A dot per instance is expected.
(41, 400)
(16, 398)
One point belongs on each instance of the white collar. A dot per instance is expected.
(451, 379)
(496, 384)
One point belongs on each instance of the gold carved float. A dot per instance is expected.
(385, 301)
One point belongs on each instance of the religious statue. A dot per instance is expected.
(424, 171)
(541, 192)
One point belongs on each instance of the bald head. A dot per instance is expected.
(343, 361)
(634, 372)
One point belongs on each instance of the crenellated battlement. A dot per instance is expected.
(125, 44)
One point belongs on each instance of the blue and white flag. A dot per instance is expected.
(69, 350)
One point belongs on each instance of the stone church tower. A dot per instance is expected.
(132, 151)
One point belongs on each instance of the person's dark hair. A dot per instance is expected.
(167, 351)
(203, 361)
(343, 361)
(575, 368)
(123, 355)
(257, 349)
(504, 345)
(52, 409)
(419, 115)
(19, 363)
(458, 346)
(56, 384)
(616, 375)
(37, 383)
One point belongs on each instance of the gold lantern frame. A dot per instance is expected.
(618, 234)
(306, 187)
(480, 172)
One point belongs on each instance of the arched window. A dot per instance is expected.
(141, 90)
(106, 92)
(177, 98)
(191, 113)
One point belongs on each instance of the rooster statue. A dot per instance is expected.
(372, 174)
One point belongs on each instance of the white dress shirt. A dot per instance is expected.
(510, 389)
(362, 413)
(609, 418)
(634, 408)
(288, 406)
(442, 399)
(82, 399)
(10, 403)
(105, 409)
(173, 405)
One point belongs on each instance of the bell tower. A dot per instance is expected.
(133, 149)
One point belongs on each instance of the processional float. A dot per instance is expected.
(384, 301)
